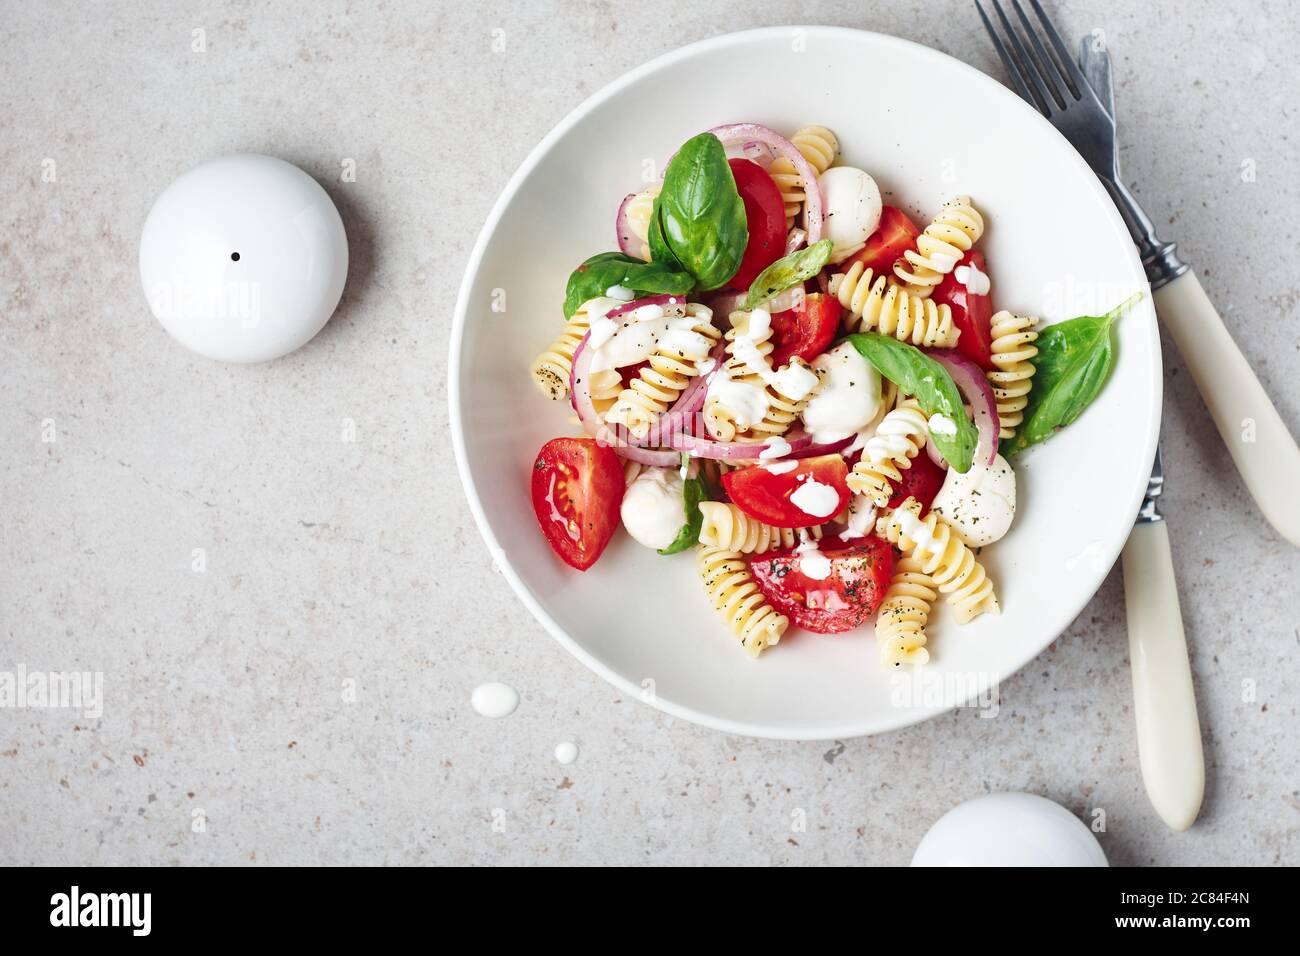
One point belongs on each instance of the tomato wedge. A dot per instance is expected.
(860, 571)
(813, 492)
(577, 488)
(922, 481)
(894, 236)
(971, 313)
(806, 331)
(765, 217)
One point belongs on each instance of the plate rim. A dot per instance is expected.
(497, 553)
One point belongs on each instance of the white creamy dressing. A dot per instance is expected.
(705, 367)
(745, 401)
(941, 424)
(494, 699)
(812, 563)
(975, 281)
(777, 447)
(643, 332)
(652, 509)
(917, 530)
(812, 497)
(862, 518)
(849, 397)
(795, 380)
(853, 206)
(648, 313)
(602, 327)
(620, 292)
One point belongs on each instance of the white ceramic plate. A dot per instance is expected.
(927, 127)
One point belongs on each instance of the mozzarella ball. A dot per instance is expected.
(653, 508)
(849, 396)
(979, 503)
(852, 205)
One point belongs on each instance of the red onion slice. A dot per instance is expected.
(812, 451)
(795, 241)
(752, 132)
(628, 243)
(975, 388)
(691, 400)
(674, 306)
(617, 437)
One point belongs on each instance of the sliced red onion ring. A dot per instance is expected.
(975, 388)
(812, 451)
(691, 400)
(628, 243)
(674, 306)
(795, 241)
(617, 437)
(752, 132)
(720, 450)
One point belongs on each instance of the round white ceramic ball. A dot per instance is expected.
(1009, 829)
(243, 258)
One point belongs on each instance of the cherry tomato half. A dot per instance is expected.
(577, 488)
(859, 575)
(781, 500)
(806, 331)
(894, 236)
(921, 481)
(972, 313)
(765, 217)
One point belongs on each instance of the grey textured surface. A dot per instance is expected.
(330, 561)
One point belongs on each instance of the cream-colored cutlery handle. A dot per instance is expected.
(1168, 730)
(1258, 440)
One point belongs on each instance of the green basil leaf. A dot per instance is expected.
(700, 214)
(659, 251)
(693, 492)
(796, 268)
(917, 374)
(607, 269)
(1073, 362)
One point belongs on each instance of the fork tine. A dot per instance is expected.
(1012, 69)
(1073, 75)
(1046, 65)
(1043, 98)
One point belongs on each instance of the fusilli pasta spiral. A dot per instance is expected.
(903, 614)
(551, 369)
(1012, 377)
(899, 438)
(819, 146)
(726, 526)
(956, 228)
(943, 556)
(661, 380)
(751, 366)
(874, 303)
(737, 598)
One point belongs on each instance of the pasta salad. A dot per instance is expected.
(792, 380)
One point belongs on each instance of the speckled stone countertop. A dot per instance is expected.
(303, 696)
